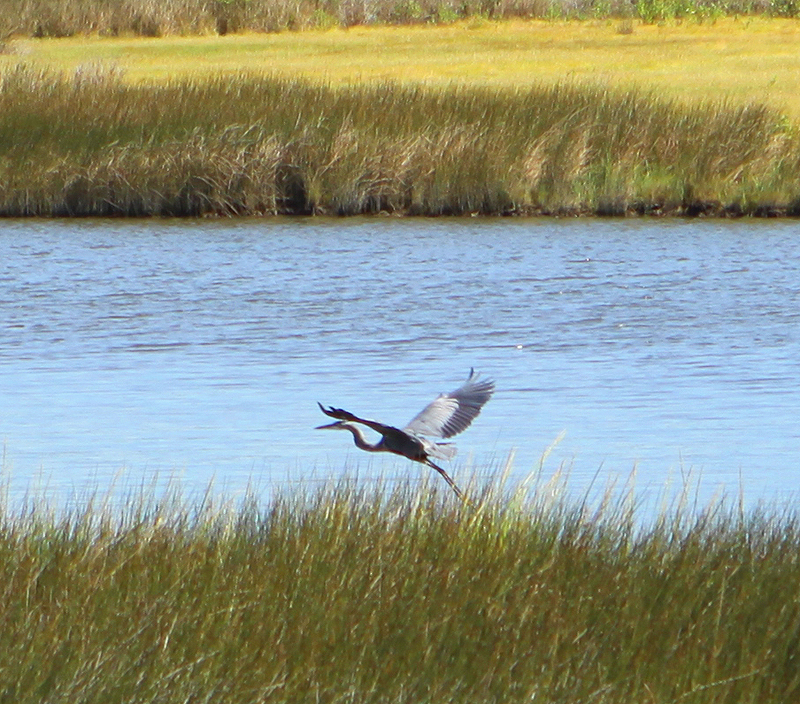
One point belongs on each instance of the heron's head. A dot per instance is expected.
(338, 425)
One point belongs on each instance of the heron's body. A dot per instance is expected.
(445, 416)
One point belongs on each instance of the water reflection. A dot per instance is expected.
(200, 348)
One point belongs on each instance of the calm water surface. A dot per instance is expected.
(198, 349)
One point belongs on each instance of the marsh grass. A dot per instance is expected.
(89, 143)
(153, 18)
(345, 593)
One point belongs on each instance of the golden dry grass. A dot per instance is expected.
(749, 59)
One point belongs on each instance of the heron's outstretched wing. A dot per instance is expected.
(452, 413)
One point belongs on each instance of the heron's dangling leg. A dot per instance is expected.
(448, 479)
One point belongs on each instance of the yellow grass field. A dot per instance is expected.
(746, 59)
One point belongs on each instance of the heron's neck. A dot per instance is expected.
(361, 441)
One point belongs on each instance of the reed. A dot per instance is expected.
(60, 18)
(89, 143)
(397, 594)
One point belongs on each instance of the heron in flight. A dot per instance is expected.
(445, 416)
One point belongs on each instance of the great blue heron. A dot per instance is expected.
(445, 416)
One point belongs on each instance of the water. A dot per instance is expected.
(131, 352)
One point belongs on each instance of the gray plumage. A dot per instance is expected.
(444, 417)
(451, 414)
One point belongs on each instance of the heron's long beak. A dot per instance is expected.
(337, 424)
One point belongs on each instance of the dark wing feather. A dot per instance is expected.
(341, 414)
(453, 413)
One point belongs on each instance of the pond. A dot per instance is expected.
(196, 350)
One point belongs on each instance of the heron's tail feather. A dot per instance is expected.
(442, 450)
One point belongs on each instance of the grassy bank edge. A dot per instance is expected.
(88, 144)
(356, 593)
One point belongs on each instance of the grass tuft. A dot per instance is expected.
(348, 593)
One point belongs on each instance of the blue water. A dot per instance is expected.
(141, 351)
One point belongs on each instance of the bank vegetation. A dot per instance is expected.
(152, 18)
(398, 594)
(89, 143)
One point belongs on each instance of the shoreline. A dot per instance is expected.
(91, 143)
(694, 210)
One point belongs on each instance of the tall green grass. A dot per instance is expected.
(59, 18)
(91, 144)
(353, 594)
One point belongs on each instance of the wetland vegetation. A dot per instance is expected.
(60, 18)
(386, 593)
(89, 143)
(367, 121)
(398, 594)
